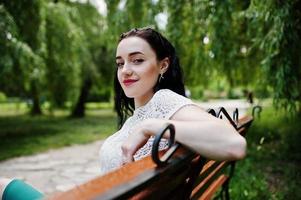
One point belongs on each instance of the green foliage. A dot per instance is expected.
(24, 47)
(97, 65)
(19, 64)
(99, 95)
(249, 182)
(57, 50)
(8, 32)
(62, 46)
(251, 43)
(64, 40)
(197, 92)
(270, 170)
(278, 40)
(3, 97)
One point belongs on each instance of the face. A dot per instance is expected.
(138, 69)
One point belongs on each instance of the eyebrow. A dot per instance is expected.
(131, 54)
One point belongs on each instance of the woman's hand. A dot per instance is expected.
(139, 137)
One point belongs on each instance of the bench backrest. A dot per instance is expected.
(186, 176)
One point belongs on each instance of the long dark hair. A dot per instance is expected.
(173, 78)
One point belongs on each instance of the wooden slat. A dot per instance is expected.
(208, 194)
(206, 181)
(129, 179)
(102, 184)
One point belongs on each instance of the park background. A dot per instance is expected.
(57, 66)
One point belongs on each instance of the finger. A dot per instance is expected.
(127, 159)
(127, 153)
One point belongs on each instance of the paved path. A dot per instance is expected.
(55, 170)
(61, 169)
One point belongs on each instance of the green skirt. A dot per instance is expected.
(18, 190)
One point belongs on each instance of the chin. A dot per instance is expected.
(130, 94)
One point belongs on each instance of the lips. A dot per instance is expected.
(129, 82)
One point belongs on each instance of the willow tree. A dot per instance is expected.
(11, 50)
(133, 14)
(63, 58)
(278, 41)
(24, 47)
(248, 43)
(94, 68)
(231, 45)
(186, 29)
(176, 31)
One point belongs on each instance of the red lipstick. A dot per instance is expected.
(128, 82)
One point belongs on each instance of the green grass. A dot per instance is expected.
(21, 134)
(271, 169)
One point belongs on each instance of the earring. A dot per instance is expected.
(161, 77)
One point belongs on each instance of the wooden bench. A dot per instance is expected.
(183, 175)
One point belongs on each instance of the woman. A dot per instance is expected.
(149, 88)
(149, 92)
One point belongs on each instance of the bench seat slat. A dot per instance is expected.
(206, 178)
(208, 194)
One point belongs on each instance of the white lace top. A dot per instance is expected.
(163, 105)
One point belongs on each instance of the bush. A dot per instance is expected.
(197, 92)
(271, 168)
(292, 138)
(99, 95)
(3, 97)
(235, 93)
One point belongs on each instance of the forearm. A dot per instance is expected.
(212, 139)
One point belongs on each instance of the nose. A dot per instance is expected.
(126, 69)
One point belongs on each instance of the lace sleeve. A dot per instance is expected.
(164, 104)
(167, 103)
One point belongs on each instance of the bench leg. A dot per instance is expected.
(224, 194)
(225, 190)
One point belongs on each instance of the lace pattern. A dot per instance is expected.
(163, 105)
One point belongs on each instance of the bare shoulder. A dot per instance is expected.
(191, 112)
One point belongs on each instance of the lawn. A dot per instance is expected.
(21, 134)
(271, 169)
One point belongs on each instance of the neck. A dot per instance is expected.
(141, 101)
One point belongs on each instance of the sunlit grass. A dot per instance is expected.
(22, 134)
(21, 107)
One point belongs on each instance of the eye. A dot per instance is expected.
(138, 60)
(119, 64)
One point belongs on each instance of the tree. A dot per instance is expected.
(24, 47)
(278, 41)
(186, 31)
(94, 68)
(64, 54)
(69, 48)
(251, 43)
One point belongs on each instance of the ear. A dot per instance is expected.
(164, 64)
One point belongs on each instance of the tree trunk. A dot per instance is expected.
(79, 109)
(36, 108)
